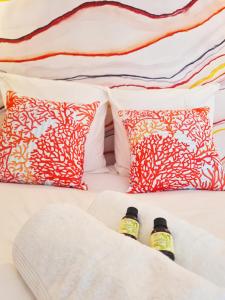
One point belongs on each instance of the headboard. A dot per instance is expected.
(150, 44)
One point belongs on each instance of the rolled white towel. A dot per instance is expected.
(63, 254)
(196, 249)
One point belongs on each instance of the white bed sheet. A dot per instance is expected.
(19, 202)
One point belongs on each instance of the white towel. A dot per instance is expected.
(65, 254)
(196, 249)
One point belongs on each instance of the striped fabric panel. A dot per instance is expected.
(149, 44)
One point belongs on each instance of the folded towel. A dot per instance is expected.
(196, 249)
(63, 253)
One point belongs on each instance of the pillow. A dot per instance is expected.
(73, 92)
(139, 99)
(172, 150)
(42, 142)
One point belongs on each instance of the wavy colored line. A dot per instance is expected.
(108, 130)
(214, 79)
(92, 4)
(197, 72)
(109, 152)
(134, 76)
(199, 82)
(219, 122)
(136, 85)
(174, 85)
(218, 130)
(109, 124)
(211, 75)
(116, 53)
(109, 133)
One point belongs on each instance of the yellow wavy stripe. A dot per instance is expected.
(218, 130)
(211, 75)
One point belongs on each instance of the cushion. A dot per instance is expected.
(43, 142)
(172, 150)
(70, 92)
(139, 99)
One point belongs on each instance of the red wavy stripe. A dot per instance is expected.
(48, 55)
(109, 152)
(96, 4)
(197, 72)
(179, 83)
(109, 124)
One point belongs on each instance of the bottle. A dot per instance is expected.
(129, 224)
(161, 239)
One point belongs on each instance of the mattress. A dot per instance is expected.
(19, 202)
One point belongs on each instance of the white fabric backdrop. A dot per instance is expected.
(154, 44)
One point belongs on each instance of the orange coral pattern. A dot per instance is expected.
(42, 142)
(172, 150)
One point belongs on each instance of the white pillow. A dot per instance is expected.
(79, 93)
(139, 99)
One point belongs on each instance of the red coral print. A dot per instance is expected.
(171, 150)
(42, 142)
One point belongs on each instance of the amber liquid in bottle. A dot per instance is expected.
(129, 224)
(161, 238)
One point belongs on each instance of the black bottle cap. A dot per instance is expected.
(160, 222)
(132, 211)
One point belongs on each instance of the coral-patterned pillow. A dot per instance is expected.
(171, 150)
(42, 142)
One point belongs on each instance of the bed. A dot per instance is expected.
(140, 56)
(19, 202)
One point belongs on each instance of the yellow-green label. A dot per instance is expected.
(162, 241)
(129, 226)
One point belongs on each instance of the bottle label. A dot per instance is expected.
(162, 241)
(129, 226)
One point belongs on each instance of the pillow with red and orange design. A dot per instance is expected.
(172, 150)
(42, 142)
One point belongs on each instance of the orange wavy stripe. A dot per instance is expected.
(116, 53)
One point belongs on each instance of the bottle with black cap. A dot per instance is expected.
(129, 224)
(161, 239)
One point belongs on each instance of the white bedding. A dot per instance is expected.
(19, 202)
